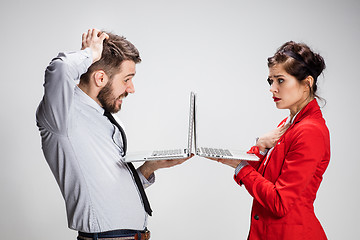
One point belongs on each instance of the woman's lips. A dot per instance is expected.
(276, 99)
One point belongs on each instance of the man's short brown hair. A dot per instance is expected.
(116, 49)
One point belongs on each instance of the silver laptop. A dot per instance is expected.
(219, 153)
(169, 154)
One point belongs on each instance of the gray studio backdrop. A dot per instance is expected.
(216, 48)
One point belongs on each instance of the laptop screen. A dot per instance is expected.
(191, 121)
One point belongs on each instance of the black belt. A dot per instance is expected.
(123, 233)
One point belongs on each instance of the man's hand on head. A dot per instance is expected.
(94, 39)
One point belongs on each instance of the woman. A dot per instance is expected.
(293, 157)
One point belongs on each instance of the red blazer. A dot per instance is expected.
(284, 186)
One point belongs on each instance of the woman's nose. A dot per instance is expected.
(273, 88)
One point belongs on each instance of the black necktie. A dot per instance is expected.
(130, 165)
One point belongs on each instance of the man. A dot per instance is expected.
(84, 145)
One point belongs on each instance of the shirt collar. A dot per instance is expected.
(83, 97)
(292, 120)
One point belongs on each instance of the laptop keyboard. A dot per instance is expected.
(168, 152)
(216, 151)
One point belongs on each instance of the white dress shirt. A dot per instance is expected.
(83, 149)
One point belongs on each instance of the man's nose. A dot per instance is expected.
(130, 88)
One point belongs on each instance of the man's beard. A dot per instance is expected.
(107, 99)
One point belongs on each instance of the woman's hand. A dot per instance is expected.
(269, 139)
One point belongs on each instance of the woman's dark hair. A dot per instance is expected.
(116, 49)
(299, 61)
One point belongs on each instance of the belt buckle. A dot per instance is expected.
(147, 234)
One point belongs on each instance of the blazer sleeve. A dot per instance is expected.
(300, 163)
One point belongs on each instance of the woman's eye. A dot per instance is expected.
(270, 81)
(281, 80)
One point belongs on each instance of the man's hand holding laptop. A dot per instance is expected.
(151, 166)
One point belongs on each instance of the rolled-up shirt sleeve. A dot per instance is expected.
(146, 182)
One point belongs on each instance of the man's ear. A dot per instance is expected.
(100, 78)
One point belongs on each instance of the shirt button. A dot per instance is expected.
(256, 217)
